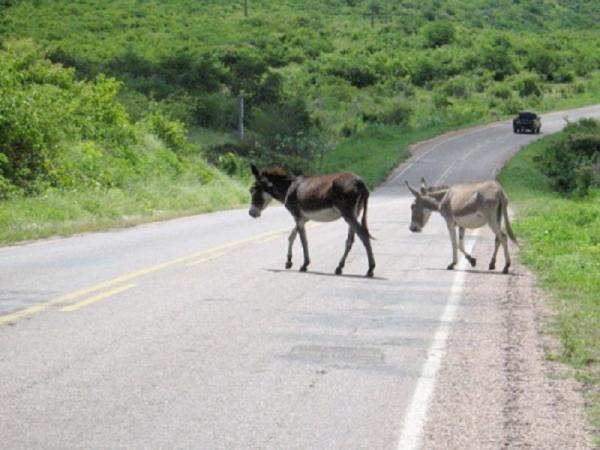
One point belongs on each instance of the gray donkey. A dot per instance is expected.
(465, 206)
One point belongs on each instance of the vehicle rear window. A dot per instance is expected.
(526, 115)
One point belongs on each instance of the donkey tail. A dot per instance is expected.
(509, 230)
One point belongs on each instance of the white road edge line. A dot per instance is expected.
(416, 415)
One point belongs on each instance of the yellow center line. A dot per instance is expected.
(23, 313)
(131, 276)
(205, 259)
(97, 298)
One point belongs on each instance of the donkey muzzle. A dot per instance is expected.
(254, 212)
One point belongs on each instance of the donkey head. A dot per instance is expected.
(261, 192)
(421, 207)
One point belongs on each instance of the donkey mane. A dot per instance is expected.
(276, 171)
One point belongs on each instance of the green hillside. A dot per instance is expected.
(420, 63)
(327, 84)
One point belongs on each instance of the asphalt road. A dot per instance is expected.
(191, 334)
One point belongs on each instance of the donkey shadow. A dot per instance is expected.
(475, 271)
(327, 274)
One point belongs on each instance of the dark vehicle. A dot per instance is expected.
(527, 121)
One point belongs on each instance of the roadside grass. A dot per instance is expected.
(376, 151)
(62, 213)
(562, 237)
(207, 137)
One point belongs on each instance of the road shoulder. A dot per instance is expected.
(496, 387)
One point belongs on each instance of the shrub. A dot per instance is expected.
(398, 114)
(501, 91)
(546, 63)
(172, 132)
(439, 33)
(233, 165)
(570, 161)
(356, 70)
(286, 135)
(528, 85)
(216, 111)
(499, 61)
(425, 70)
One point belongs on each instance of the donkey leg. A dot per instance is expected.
(493, 260)
(363, 234)
(302, 231)
(452, 231)
(501, 236)
(291, 240)
(349, 242)
(461, 246)
(504, 241)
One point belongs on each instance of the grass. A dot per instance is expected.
(562, 238)
(68, 212)
(205, 137)
(375, 152)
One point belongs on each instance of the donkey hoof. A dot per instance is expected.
(505, 270)
(303, 269)
(288, 264)
(450, 266)
(472, 261)
(338, 271)
(492, 266)
(370, 273)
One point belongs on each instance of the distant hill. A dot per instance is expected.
(325, 69)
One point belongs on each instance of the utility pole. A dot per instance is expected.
(245, 8)
(372, 13)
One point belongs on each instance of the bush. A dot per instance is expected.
(570, 161)
(425, 69)
(438, 33)
(216, 111)
(56, 131)
(528, 85)
(285, 136)
(233, 165)
(356, 70)
(546, 63)
(398, 114)
(172, 132)
(499, 61)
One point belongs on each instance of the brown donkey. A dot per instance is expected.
(321, 198)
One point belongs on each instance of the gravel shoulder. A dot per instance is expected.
(496, 387)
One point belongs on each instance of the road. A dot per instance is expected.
(191, 334)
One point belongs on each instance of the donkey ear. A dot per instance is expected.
(254, 170)
(423, 186)
(414, 191)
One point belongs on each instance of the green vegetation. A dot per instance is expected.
(72, 160)
(120, 94)
(562, 234)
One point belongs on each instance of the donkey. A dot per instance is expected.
(465, 206)
(321, 198)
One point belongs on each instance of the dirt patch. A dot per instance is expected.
(496, 388)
